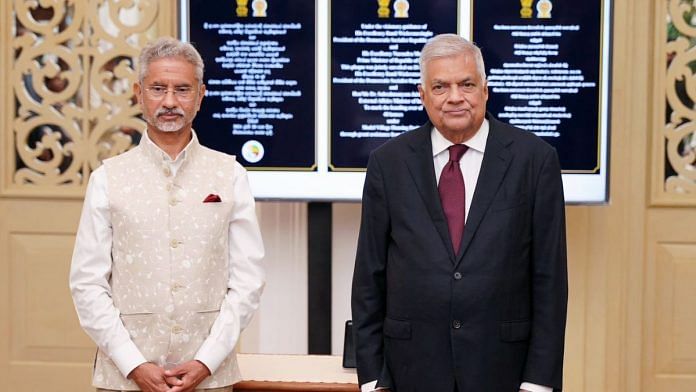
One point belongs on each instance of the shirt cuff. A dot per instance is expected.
(127, 357)
(211, 354)
(528, 386)
(370, 387)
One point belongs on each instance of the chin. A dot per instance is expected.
(170, 130)
(169, 127)
(460, 125)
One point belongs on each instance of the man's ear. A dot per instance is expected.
(137, 90)
(421, 92)
(201, 94)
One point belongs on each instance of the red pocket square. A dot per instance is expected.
(212, 198)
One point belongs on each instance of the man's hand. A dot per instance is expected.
(190, 374)
(151, 378)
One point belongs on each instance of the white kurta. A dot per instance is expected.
(157, 274)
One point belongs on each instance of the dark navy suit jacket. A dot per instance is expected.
(487, 318)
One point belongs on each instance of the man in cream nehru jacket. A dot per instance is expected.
(166, 270)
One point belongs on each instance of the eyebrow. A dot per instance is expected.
(440, 81)
(160, 83)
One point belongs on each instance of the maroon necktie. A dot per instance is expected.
(451, 189)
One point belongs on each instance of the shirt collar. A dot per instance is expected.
(477, 142)
(159, 156)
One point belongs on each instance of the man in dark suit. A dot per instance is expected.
(460, 279)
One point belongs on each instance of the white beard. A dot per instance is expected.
(167, 126)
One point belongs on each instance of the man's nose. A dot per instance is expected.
(169, 100)
(455, 94)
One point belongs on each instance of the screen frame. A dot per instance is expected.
(344, 186)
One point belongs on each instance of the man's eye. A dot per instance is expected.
(183, 90)
(158, 89)
(439, 89)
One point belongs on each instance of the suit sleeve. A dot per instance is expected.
(368, 300)
(544, 364)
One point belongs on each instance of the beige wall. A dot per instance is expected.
(632, 262)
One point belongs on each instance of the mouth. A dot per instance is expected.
(169, 116)
(456, 112)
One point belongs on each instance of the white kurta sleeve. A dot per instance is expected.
(527, 386)
(89, 279)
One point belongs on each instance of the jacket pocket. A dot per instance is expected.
(507, 204)
(147, 333)
(204, 320)
(139, 324)
(397, 329)
(515, 331)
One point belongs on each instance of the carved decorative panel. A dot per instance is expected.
(676, 152)
(72, 76)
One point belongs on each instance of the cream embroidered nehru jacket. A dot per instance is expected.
(160, 275)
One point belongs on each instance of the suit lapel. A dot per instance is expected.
(496, 160)
(420, 164)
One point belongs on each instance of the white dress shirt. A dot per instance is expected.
(91, 270)
(470, 165)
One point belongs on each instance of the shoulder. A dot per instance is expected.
(98, 177)
(215, 154)
(220, 158)
(405, 142)
(122, 157)
(224, 160)
(517, 138)
(123, 162)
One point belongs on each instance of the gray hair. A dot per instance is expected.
(169, 47)
(450, 45)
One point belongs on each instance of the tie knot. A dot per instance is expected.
(456, 151)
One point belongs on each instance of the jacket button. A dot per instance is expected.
(457, 275)
(456, 324)
(167, 172)
(174, 243)
(177, 330)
